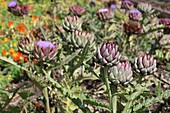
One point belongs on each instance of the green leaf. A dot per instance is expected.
(12, 62)
(66, 60)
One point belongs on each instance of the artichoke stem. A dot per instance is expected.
(45, 92)
(108, 87)
(114, 98)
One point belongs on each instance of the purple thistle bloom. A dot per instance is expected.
(103, 10)
(112, 6)
(12, 4)
(45, 45)
(135, 14)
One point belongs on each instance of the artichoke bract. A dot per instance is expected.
(77, 10)
(71, 23)
(104, 14)
(145, 64)
(79, 39)
(121, 73)
(107, 54)
(135, 15)
(45, 51)
(26, 45)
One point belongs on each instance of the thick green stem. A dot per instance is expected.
(45, 92)
(114, 98)
(108, 87)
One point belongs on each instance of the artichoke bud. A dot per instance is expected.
(26, 45)
(135, 15)
(77, 10)
(45, 51)
(104, 14)
(145, 8)
(166, 23)
(17, 9)
(121, 73)
(71, 23)
(79, 39)
(127, 5)
(145, 64)
(132, 27)
(107, 54)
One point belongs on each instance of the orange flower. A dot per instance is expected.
(25, 59)
(30, 7)
(21, 28)
(11, 51)
(21, 25)
(7, 39)
(18, 57)
(34, 18)
(4, 53)
(10, 24)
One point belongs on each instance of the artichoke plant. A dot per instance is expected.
(135, 15)
(77, 10)
(132, 27)
(45, 51)
(145, 8)
(104, 14)
(107, 54)
(26, 45)
(145, 64)
(71, 23)
(121, 73)
(127, 4)
(79, 39)
(17, 9)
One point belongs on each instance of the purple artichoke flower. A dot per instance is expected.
(127, 4)
(77, 10)
(132, 27)
(45, 45)
(121, 73)
(135, 14)
(12, 4)
(45, 51)
(107, 54)
(104, 14)
(112, 6)
(145, 64)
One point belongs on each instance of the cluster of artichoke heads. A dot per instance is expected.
(16, 9)
(108, 55)
(72, 25)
